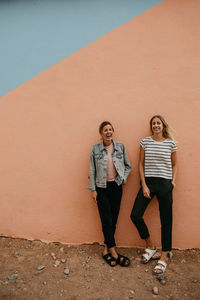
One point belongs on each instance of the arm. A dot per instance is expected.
(174, 168)
(92, 176)
(146, 191)
(127, 166)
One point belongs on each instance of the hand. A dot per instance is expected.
(146, 191)
(173, 183)
(94, 195)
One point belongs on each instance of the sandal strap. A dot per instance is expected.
(145, 255)
(123, 261)
(109, 259)
(107, 256)
(163, 263)
(150, 251)
(158, 267)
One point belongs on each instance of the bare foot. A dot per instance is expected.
(164, 259)
(150, 246)
(147, 255)
(108, 257)
(115, 255)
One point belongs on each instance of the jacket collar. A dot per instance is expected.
(102, 147)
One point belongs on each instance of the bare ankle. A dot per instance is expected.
(105, 250)
(164, 256)
(113, 252)
(149, 244)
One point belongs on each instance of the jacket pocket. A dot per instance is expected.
(119, 155)
(98, 156)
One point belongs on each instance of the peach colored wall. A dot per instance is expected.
(48, 125)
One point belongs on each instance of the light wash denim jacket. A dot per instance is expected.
(99, 161)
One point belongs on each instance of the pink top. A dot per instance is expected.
(111, 171)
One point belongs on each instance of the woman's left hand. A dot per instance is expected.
(94, 195)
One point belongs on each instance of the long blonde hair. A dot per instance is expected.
(166, 130)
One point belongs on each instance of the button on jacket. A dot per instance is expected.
(98, 165)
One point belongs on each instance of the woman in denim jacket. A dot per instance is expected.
(109, 169)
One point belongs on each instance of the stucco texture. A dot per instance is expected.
(48, 125)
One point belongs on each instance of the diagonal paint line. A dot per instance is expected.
(36, 34)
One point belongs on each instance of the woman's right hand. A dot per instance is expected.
(94, 195)
(146, 191)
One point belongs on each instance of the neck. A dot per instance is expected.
(107, 143)
(158, 137)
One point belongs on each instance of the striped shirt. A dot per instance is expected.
(158, 161)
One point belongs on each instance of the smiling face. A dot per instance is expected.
(107, 133)
(157, 126)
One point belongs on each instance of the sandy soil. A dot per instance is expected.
(29, 271)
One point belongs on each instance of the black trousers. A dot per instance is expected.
(108, 201)
(162, 188)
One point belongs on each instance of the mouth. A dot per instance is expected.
(108, 136)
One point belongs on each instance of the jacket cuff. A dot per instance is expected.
(91, 188)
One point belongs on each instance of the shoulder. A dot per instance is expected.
(172, 144)
(170, 141)
(146, 140)
(118, 145)
(96, 146)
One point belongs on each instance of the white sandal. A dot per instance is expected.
(147, 255)
(161, 265)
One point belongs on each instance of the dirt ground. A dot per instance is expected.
(33, 270)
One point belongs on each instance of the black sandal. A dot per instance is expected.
(123, 261)
(109, 259)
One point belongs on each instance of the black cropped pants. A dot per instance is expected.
(108, 201)
(162, 189)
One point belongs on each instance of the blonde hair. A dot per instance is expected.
(166, 130)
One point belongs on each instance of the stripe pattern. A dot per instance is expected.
(158, 161)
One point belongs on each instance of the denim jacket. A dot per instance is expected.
(98, 165)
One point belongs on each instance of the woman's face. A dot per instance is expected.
(107, 133)
(157, 126)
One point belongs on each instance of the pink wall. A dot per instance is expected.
(48, 125)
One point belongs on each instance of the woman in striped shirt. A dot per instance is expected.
(157, 168)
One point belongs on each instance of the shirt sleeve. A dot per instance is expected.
(174, 147)
(142, 143)
(127, 165)
(92, 171)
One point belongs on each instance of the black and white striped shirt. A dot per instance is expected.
(158, 161)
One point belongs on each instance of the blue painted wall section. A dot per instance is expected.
(36, 34)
